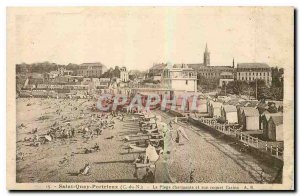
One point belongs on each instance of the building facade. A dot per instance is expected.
(254, 71)
(225, 78)
(62, 71)
(214, 72)
(91, 70)
(124, 76)
(179, 78)
(155, 72)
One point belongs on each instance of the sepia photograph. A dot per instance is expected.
(150, 98)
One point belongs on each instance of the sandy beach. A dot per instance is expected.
(59, 160)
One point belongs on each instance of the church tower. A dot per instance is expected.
(206, 58)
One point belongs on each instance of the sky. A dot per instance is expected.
(138, 37)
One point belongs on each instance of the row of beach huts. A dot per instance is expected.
(264, 119)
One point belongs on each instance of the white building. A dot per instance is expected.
(62, 71)
(254, 71)
(225, 78)
(179, 78)
(91, 70)
(214, 109)
(250, 119)
(229, 112)
(53, 74)
(124, 76)
(275, 128)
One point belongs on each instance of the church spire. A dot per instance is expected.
(206, 56)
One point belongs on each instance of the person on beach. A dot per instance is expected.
(167, 138)
(85, 170)
(161, 173)
(151, 154)
(73, 132)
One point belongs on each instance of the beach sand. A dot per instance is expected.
(60, 160)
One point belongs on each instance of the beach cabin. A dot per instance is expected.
(250, 119)
(229, 112)
(214, 109)
(264, 119)
(201, 106)
(275, 128)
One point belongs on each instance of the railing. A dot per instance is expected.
(277, 151)
(243, 137)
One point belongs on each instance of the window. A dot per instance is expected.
(186, 82)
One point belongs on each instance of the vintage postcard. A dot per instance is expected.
(150, 98)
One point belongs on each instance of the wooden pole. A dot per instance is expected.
(256, 89)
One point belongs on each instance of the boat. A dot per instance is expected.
(142, 137)
(135, 148)
(155, 130)
(141, 146)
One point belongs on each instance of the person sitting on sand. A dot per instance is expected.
(34, 131)
(86, 130)
(98, 131)
(96, 147)
(36, 137)
(66, 133)
(151, 155)
(85, 170)
(140, 159)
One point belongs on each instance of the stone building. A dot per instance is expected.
(91, 70)
(254, 71)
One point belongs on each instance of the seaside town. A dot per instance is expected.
(212, 123)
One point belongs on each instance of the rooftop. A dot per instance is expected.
(216, 67)
(269, 115)
(250, 111)
(226, 74)
(158, 66)
(249, 103)
(216, 104)
(278, 120)
(92, 64)
(229, 108)
(252, 65)
(195, 66)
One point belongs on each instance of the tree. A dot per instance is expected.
(277, 75)
(272, 107)
(260, 86)
(209, 84)
(238, 87)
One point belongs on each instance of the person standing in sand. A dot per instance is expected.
(167, 138)
(161, 173)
